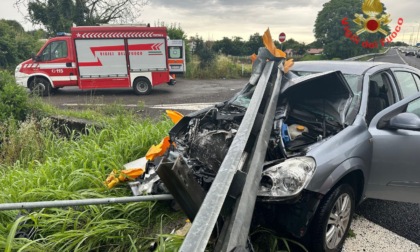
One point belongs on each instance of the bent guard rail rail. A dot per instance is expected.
(82, 202)
(236, 227)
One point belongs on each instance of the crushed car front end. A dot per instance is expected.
(310, 110)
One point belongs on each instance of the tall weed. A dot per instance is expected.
(38, 164)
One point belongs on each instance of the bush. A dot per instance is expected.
(26, 140)
(222, 67)
(207, 57)
(14, 99)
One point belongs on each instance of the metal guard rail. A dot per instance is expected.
(258, 121)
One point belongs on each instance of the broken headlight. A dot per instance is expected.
(287, 178)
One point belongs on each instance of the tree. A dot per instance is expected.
(17, 27)
(15, 45)
(8, 49)
(297, 47)
(176, 32)
(59, 15)
(238, 47)
(224, 46)
(254, 43)
(315, 44)
(330, 32)
(203, 50)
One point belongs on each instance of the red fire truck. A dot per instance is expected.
(96, 57)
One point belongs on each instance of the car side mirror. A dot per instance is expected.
(407, 121)
(36, 57)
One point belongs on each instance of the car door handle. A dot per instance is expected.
(68, 64)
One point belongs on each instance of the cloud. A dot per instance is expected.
(215, 19)
(222, 18)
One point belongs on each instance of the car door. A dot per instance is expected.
(395, 164)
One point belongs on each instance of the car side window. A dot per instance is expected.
(379, 95)
(414, 107)
(385, 87)
(407, 83)
(55, 50)
(46, 53)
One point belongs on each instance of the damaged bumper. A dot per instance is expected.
(292, 215)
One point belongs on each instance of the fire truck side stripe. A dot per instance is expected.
(63, 78)
(118, 35)
(55, 65)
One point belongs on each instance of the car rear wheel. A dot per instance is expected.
(40, 87)
(333, 220)
(142, 86)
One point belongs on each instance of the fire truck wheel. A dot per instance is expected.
(142, 86)
(172, 82)
(40, 86)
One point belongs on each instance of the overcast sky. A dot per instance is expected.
(215, 19)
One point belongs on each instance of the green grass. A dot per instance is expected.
(267, 240)
(37, 164)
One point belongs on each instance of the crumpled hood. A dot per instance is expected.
(328, 90)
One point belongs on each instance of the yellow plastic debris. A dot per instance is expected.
(287, 65)
(111, 180)
(124, 175)
(184, 230)
(158, 150)
(132, 173)
(174, 115)
(253, 57)
(269, 44)
(155, 151)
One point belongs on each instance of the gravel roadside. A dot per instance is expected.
(370, 237)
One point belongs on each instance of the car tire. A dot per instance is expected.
(142, 86)
(331, 224)
(40, 86)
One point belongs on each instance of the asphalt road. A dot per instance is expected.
(184, 92)
(400, 218)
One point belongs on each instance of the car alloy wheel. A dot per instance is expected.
(338, 221)
(333, 219)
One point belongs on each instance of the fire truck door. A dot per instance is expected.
(56, 62)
